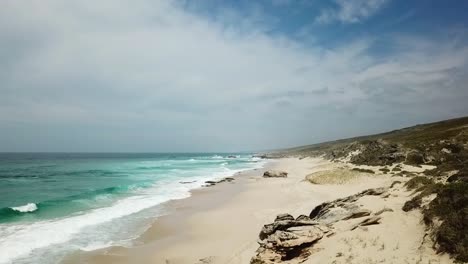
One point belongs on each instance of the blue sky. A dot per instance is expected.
(179, 75)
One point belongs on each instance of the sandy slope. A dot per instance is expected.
(399, 238)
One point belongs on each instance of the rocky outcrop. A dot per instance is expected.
(343, 208)
(212, 183)
(275, 174)
(283, 224)
(368, 221)
(289, 238)
(357, 214)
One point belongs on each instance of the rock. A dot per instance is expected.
(275, 174)
(231, 157)
(302, 218)
(295, 237)
(376, 191)
(383, 211)
(292, 242)
(269, 229)
(282, 217)
(292, 239)
(211, 182)
(335, 214)
(374, 220)
(358, 214)
(338, 209)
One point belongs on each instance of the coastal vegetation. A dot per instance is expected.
(439, 192)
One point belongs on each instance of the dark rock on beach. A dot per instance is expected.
(275, 174)
(212, 183)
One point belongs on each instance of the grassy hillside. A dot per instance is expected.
(442, 144)
(411, 137)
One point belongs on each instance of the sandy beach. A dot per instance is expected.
(220, 224)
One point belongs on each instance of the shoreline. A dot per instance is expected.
(220, 224)
(161, 226)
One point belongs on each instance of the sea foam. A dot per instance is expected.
(27, 208)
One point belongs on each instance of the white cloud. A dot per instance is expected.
(350, 11)
(158, 78)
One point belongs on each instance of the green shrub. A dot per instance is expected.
(384, 170)
(424, 187)
(451, 208)
(414, 203)
(418, 182)
(363, 170)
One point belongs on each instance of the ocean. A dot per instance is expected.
(54, 203)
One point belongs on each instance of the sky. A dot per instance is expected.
(207, 75)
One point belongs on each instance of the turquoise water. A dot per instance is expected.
(51, 204)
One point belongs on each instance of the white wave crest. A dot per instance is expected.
(27, 208)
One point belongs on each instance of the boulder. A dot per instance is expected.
(275, 174)
(287, 238)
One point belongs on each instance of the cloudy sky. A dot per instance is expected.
(207, 75)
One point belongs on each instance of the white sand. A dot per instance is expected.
(220, 224)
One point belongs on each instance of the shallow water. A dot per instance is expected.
(51, 204)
